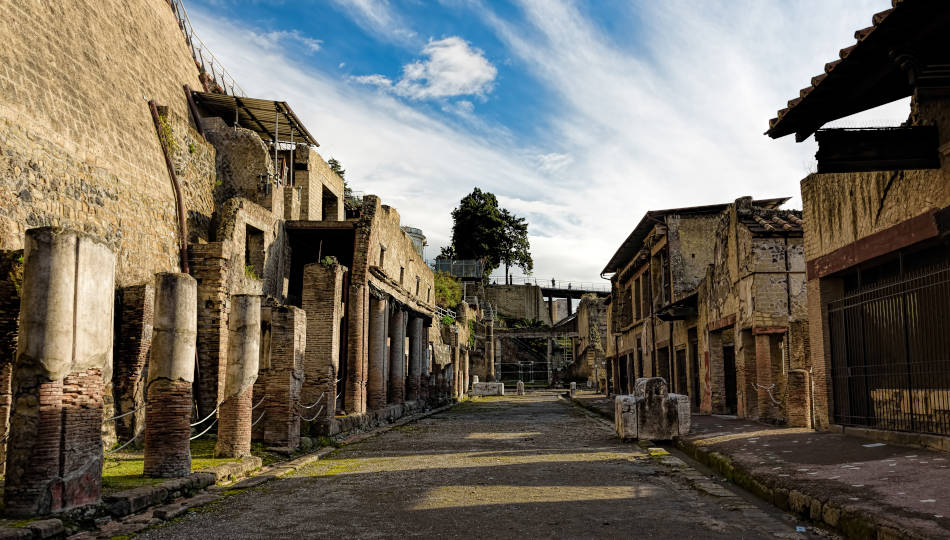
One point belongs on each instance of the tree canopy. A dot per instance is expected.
(482, 230)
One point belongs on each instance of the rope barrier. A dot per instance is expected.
(311, 419)
(130, 441)
(214, 412)
(107, 420)
(206, 430)
(259, 402)
(319, 399)
(258, 419)
(768, 390)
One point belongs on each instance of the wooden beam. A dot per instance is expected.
(916, 229)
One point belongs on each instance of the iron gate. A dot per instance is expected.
(890, 351)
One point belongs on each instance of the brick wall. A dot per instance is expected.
(323, 304)
(167, 448)
(132, 341)
(209, 267)
(284, 379)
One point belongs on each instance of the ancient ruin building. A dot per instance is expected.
(877, 218)
(751, 309)
(591, 342)
(304, 321)
(711, 299)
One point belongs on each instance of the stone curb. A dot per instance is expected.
(142, 499)
(848, 521)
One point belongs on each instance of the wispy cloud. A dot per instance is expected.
(452, 68)
(377, 18)
(673, 117)
(277, 39)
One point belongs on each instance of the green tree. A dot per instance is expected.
(349, 202)
(484, 231)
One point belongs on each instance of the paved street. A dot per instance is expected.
(524, 467)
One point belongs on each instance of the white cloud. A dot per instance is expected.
(677, 121)
(452, 68)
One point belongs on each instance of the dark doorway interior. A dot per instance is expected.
(729, 371)
(663, 363)
(680, 387)
(694, 368)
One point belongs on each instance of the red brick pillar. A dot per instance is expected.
(322, 299)
(209, 265)
(397, 356)
(354, 391)
(132, 344)
(171, 372)
(467, 375)
(416, 358)
(285, 377)
(376, 386)
(820, 293)
(234, 413)
(64, 359)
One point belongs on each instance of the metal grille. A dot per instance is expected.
(890, 351)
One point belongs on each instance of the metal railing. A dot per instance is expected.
(551, 283)
(208, 62)
(445, 312)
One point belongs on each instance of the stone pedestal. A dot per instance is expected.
(488, 389)
(63, 361)
(520, 388)
(171, 373)
(234, 413)
(573, 388)
(651, 412)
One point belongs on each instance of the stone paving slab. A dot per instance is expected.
(853, 484)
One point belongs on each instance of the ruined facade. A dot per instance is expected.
(591, 343)
(712, 299)
(876, 227)
(752, 312)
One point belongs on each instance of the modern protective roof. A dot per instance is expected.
(271, 120)
(877, 69)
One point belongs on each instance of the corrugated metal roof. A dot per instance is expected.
(271, 120)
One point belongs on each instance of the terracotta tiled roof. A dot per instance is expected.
(918, 22)
(770, 221)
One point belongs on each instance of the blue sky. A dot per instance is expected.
(579, 115)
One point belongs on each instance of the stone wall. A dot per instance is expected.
(518, 302)
(80, 146)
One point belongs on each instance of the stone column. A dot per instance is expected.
(397, 356)
(465, 365)
(322, 300)
(171, 372)
(496, 362)
(244, 342)
(490, 349)
(63, 361)
(376, 387)
(284, 379)
(416, 353)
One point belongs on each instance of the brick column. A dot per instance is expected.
(376, 387)
(234, 413)
(63, 361)
(397, 356)
(467, 376)
(132, 345)
(354, 399)
(717, 379)
(416, 353)
(820, 293)
(284, 379)
(209, 266)
(171, 372)
(322, 300)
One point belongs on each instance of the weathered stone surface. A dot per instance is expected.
(234, 413)
(519, 388)
(651, 413)
(488, 389)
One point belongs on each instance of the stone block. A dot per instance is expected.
(488, 389)
(46, 528)
(520, 388)
(651, 413)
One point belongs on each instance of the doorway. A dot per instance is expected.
(729, 373)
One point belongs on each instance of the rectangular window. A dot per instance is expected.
(382, 256)
(636, 299)
(402, 274)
